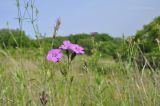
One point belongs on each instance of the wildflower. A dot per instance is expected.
(54, 55)
(77, 49)
(93, 34)
(66, 45)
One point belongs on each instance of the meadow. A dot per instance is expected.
(28, 79)
(113, 71)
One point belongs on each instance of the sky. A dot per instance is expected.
(114, 17)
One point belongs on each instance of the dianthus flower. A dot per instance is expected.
(77, 49)
(54, 55)
(66, 45)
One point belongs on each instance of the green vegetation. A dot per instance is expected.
(149, 39)
(12, 39)
(24, 75)
(113, 71)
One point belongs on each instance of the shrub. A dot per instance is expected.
(14, 38)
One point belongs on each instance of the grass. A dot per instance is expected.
(28, 79)
(25, 74)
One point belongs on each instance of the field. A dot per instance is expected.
(28, 79)
(96, 70)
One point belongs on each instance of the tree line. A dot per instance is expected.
(147, 39)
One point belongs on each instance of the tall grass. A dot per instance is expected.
(25, 76)
(28, 79)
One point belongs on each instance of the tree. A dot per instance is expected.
(13, 38)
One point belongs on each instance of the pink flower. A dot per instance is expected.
(54, 55)
(94, 33)
(77, 49)
(66, 45)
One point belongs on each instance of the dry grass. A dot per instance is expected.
(23, 80)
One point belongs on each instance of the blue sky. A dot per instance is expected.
(115, 17)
